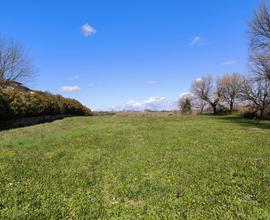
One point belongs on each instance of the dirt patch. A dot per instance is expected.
(137, 203)
(255, 129)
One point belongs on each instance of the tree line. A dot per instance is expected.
(230, 92)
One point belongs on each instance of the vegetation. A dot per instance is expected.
(184, 104)
(191, 167)
(14, 64)
(204, 89)
(256, 87)
(15, 104)
(229, 86)
(251, 92)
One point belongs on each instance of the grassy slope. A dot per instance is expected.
(129, 167)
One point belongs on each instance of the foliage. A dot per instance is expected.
(190, 167)
(15, 104)
(3, 106)
(185, 105)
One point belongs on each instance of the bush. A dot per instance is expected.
(3, 106)
(223, 110)
(15, 104)
(184, 103)
(251, 114)
(186, 106)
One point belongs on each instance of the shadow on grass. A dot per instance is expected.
(24, 122)
(248, 123)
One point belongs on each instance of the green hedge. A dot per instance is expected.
(15, 104)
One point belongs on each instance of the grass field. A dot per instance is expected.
(134, 167)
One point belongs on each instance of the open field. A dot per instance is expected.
(134, 167)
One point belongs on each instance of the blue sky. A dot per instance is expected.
(106, 53)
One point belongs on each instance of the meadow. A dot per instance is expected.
(137, 167)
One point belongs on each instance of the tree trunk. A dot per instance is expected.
(214, 108)
(231, 106)
(261, 113)
(201, 110)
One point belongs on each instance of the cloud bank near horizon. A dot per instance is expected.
(153, 103)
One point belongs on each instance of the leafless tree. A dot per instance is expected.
(198, 104)
(260, 29)
(257, 94)
(229, 86)
(260, 65)
(259, 32)
(14, 64)
(256, 88)
(204, 89)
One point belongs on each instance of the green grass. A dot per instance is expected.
(193, 167)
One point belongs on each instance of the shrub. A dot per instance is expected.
(16, 104)
(3, 106)
(186, 105)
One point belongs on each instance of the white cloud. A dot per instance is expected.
(70, 89)
(186, 94)
(229, 62)
(88, 30)
(133, 105)
(151, 82)
(197, 41)
(153, 103)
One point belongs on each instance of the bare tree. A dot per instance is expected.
(198, 104)
(229, 87)
(204, 89)
(259, 32)
(260, 29)
(14, 64)
(256, 89)
(260, 65)
(257, 94)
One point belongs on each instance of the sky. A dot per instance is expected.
(131, 54)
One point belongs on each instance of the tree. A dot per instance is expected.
(204, 89)
(257, 94)
(14, 64)
(229, 87)
(259, 32)
(260, 29)
(260, 65)
(198, 104)
(256, 89)
(185, 104)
